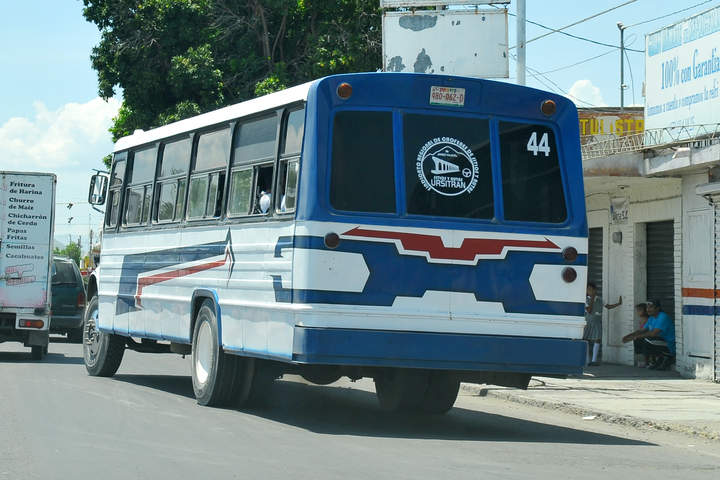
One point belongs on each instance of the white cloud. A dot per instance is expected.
(70, 142)
(61, 138)
(584, 91)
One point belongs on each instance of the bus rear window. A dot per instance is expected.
(532, 182)
(362, 170)
(448, 171)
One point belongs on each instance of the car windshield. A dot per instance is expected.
(64, 273)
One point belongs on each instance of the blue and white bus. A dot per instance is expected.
(421, 230)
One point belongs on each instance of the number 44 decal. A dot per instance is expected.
(535, 147)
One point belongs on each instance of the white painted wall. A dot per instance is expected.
(651, 200)
(698, 281)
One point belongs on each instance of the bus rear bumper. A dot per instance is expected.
(447, 351)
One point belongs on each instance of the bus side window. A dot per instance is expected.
(139, 192)
(207, 182)
(251, 177)
(289, 166)
(170, 188)
(116, 181)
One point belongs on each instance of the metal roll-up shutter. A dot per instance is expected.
(595, 258)
(661, 265)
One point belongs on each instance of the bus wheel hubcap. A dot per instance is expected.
(92, 334)
(204, 351)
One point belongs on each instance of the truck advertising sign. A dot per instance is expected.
(26, 229)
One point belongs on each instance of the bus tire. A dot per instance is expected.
(102, 352)
(441, 393)
(219, 379)
(400, 389)
(37, 352)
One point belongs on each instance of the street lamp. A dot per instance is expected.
(622, 28)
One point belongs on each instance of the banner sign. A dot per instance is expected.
(682, 74)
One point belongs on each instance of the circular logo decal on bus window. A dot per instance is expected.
(447, 166)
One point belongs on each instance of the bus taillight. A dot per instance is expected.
(548, 107)
(332, 240)
(570, 254)
(344, 90)
(569, 274)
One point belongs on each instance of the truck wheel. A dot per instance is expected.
(102, 352)
(37, 352)
(400, 389)
(442, 391)
(219, 378)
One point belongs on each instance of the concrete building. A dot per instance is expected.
(653, 215)
(652, 185)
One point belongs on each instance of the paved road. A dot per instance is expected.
(57, 422)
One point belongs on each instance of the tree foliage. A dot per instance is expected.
(72, 250)
(176, 58)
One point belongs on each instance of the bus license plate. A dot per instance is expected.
(454, 97)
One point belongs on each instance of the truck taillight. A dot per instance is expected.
(81, 300)
(32, 323)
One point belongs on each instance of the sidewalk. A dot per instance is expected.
(627, 395)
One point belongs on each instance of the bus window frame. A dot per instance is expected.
(288, 158)
(108, 211)
(191, 174)
(562, 164)
(328, 174)
(496, 166)
(494, 159)
(122, 222)
(177, 216)
(181, 220)
(254, 164)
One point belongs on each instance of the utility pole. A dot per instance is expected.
(520, 42)
(622, 66)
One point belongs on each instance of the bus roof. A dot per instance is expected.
(256, 105)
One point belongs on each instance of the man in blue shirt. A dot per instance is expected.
(656, 338)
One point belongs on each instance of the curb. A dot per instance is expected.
(625, 420)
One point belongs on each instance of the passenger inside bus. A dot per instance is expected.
(263, 189)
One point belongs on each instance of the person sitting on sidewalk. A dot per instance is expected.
(641, 312)
(657, 337)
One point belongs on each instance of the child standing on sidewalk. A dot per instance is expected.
(593, 322)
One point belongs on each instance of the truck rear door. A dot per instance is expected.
(26, 226)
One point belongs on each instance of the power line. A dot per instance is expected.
(669, 14)
(539, 76)
(559, 30)
(577, 37)
(632, 80)
(580, 62)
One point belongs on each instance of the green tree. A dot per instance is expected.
(176, 58)
(72, 250)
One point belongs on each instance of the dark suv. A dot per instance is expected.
(68, 299)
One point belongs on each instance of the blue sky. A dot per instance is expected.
(52, 120)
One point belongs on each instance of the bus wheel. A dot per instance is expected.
(400, 389)
(102, 352)
(219, 379)
(442, 391)
(38, 352)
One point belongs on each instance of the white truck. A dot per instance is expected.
(27, 220)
